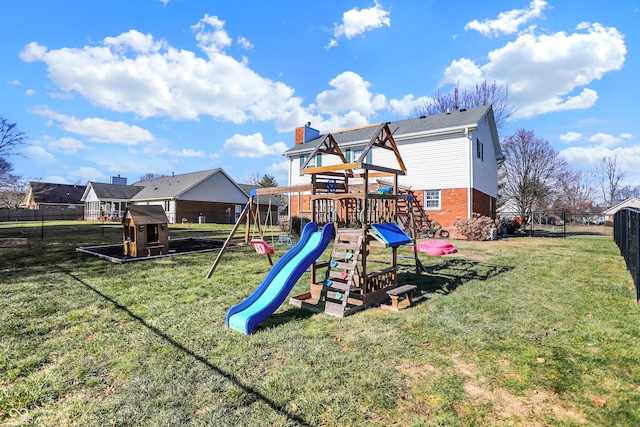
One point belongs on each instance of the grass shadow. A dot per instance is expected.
(448, 275)
(290, 315)
(256, 395)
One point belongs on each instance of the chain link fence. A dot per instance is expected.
(626, 234)
(553, 224)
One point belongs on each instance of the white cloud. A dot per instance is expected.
(185, 152)
(625, 135)
(14, 82)
(60, 95)
(134, 73)
(571, 137)
(39, 155)
(67, 145)
(86, 174)
(211, 42)
(604, 139)
(252, 146)
(280, 171)
(357, 21)
(464, 72)
(508, 22)
(97, 129)
(407, 105)
(29, 92)
(586, 159)
(543, 72)
(350, 93)
(244, 43)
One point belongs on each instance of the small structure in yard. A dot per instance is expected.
(145, 231)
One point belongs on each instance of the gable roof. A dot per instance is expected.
(447, 121)
(174, 186)
(168, 187)
(106, 191)
(632, 202)
(49, 193)
(145, 214)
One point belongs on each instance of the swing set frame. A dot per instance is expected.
(251, 215)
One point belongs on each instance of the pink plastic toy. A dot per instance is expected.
(436, 247)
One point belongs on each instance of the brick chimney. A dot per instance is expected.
(306, 133)
(299, 135)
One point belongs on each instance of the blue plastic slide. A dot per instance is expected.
(274, 289)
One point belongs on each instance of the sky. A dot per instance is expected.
(118, 87)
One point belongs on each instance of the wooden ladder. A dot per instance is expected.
(339, 290)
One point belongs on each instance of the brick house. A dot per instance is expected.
(451, 160)
(63, 198)
(205, 196)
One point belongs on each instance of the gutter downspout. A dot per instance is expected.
(470, 189)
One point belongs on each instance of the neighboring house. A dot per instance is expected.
(206, 196)
(451, 160)
(631, 202)
(107, 201)
(65, 198)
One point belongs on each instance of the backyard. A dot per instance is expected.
(516, 332)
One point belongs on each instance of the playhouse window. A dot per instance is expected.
(432, 199)
(152, 233)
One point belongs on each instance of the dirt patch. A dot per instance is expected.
(11, 242)
(529, 408)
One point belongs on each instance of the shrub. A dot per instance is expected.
(298, 224)
(512, 225)
(608, 224)
(477, 228)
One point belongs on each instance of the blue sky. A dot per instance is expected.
(159, 86)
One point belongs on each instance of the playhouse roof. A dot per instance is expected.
(146, 214)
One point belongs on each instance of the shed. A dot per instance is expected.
(145, 231)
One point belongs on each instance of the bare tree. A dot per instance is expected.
(576, 194)
(12, 193)
(150, 175)
(628, 191)
(484, 93)
(531, 172)
(265, 181)
(10, 138)
(610, 175)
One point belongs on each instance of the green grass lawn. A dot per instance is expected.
(517, 332)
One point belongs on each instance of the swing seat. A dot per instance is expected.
(262, 247)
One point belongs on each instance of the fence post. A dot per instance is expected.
(42, 227)
(564, 225)
(636, 279)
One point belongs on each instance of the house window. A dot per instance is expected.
(479, 149)
(347, 156)
(432, 199)
(301, 164)
(358, 153)
(167, 205)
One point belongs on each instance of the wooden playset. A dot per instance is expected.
(365, 215)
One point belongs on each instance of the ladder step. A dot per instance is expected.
(348, 246)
